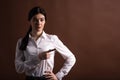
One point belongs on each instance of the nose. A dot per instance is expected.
(38, 21)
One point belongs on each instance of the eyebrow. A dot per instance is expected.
(39, 18)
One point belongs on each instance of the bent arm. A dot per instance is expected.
(21, 64)
(67, 55)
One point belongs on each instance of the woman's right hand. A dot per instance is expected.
(44, 55)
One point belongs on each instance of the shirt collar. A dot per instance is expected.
(42, 36)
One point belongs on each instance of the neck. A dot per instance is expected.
(36, 35)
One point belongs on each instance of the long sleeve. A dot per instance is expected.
(67, 55)
(27, 61)
(21, 64)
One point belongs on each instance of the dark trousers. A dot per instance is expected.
(35, 78)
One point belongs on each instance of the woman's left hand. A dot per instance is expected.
(50, 75)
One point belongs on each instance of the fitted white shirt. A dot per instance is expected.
(27, 61)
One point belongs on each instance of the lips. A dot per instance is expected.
(37, 27)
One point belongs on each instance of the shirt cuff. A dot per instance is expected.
(60, 75)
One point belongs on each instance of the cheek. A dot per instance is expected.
(33, 24)
(43, 24)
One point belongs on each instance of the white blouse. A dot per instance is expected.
(27, 61)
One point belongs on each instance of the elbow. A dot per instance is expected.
(19, 70)
(71, 60)
(74, 60)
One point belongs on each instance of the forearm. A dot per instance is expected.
(22, 66)
(69, 63)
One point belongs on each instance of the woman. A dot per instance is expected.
(35, 52)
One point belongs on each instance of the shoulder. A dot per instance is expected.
(52, 37)
(19, 41)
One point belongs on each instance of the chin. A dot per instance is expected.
(39, 30)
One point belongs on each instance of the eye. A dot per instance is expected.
(38, 19)
(42, 19)
(35, 20)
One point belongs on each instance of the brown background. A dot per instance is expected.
(90, 29)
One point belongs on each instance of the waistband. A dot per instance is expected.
(35, 78)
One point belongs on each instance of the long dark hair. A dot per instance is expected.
(32, 12)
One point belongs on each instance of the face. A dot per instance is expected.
(37, 22)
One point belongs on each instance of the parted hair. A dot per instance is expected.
(31, 13)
